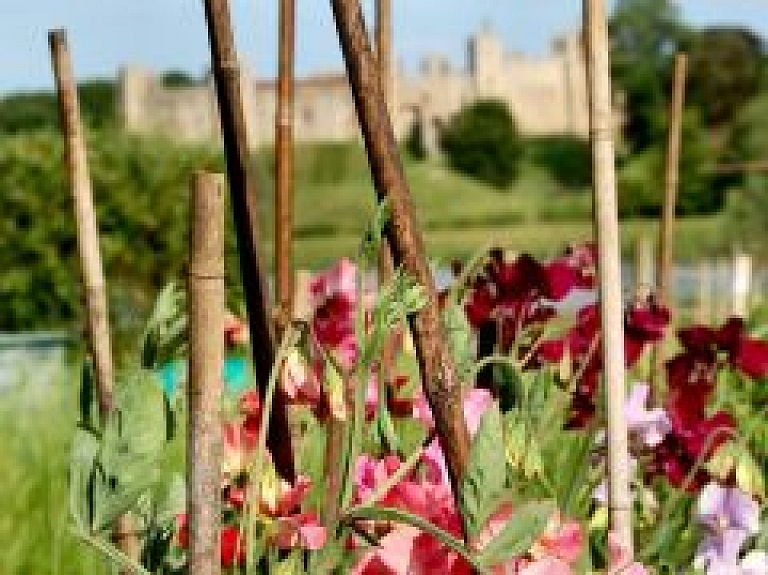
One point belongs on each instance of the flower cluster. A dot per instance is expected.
(277, 504)
(695, 433)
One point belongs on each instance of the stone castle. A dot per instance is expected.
(547, 95)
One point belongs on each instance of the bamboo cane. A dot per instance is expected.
(206, 359)
(284, 182)
(386, 264)
(672, 178)
(438, 373)
(384, 46)
(609, 267)
(667, 227)
(242, 188)
(97, 314)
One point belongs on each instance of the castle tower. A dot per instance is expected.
(134, 85)
(485, 62)
(570, 47)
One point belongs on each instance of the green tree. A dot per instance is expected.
(567, 158)
(35, 111)
(482, 141)
(641, 183)
(747, 209)
(644, 35)
(725, 71)
(414, 142)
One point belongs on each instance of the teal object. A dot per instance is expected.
(236, 374)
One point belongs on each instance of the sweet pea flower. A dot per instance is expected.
(649, 425)
(236, 332)
(729, 517)
(620, 560)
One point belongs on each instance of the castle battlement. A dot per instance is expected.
(547, 96)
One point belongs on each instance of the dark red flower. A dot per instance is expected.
(750, 357)
(746, 354)
(334, 320)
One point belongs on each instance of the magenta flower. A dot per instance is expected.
(729, 517)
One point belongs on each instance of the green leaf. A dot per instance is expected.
(482, 485)
(165, 329)
(85, 448)
(375, 232)
(460, 339)
(292, 565)
(87, 396)
(519, 533)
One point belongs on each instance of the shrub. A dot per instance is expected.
(482, 141)
(567, 158)
(414, 143)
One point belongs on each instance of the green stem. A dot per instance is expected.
(289, 340)
(116, 556)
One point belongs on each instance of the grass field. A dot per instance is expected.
(36, 429)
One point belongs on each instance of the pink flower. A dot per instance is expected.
(236, 332)
(620, 561)
(476, 403)
(341, 280)
(563, 540)
(300, 530)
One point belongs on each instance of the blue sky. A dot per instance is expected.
(163, 34)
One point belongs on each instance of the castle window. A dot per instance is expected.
(308, 115)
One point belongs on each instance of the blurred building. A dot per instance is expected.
(546, 94)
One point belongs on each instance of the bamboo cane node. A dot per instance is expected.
(285, 117)
(602, 133)
(205, 275)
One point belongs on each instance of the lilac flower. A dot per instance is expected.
(729, 517)
(650, 425)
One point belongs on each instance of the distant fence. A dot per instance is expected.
(32, 358)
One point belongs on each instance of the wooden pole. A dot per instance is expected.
(609, 266)
(667, 227)
(386, 263)
(242, 188)
(76, 158)
(671, 180)
(643, 268)
(206, 360)
(97, 313)
(284, 180)
(741, 283)
(384, 46)
(441, 386)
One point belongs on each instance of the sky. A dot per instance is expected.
(171, 34)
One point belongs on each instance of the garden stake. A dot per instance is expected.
(97, 313)
(667, 228)
(284, 181)
(602, 127)
(384, 47)
(206, 361)
(441, 386)
(242, 188)
(386, 265)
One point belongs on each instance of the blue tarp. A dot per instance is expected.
(237, 375)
